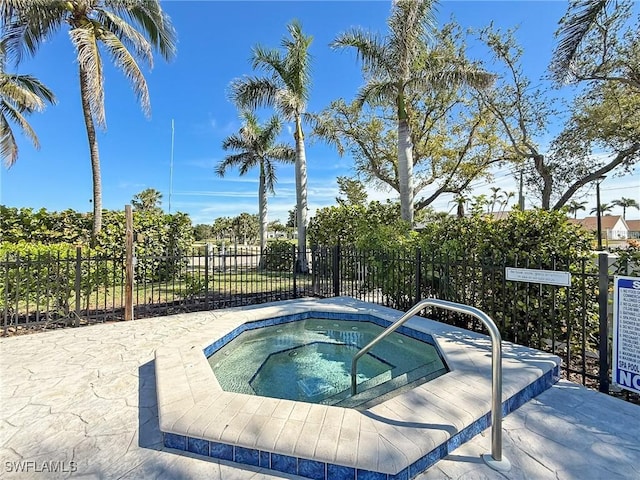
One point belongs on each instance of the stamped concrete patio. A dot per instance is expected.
(82, 403)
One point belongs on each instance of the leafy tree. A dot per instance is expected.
(603, 119)
(202, 232)
(254, 146)
(353, 191)
(398, 65)
(127, 30)
(20, 95)
(246, 227)
(626, 203)
(292, 216)
(277, 227)
(149, 200)
(602, 136)
(574, 206)
(286, 87)
(222, 227)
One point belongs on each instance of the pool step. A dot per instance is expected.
(375, 389)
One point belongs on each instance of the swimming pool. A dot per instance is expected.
(310, 361)
(397, 438)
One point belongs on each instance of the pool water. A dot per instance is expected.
(310, 361)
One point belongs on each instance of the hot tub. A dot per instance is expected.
(393, 436)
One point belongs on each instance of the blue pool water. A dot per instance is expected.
(310, 361)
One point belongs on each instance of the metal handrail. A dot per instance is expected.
(496, 461)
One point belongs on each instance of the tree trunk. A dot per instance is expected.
(95, 157)
(302, 264)
(262, 208)
(547, 181)
(405, 170)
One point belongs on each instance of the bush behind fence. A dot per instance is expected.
(71, 286)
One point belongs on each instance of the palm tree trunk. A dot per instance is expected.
(262, 208)
(405, 170)
(302, 264)
(95, 157)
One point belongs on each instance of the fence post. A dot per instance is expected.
(336, 270)
(128, 268)
(76, 321)
(418, 274)
(295, 269)
(206, 276)
(603, 295)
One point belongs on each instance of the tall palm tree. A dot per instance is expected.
(580, 18)
(255, 146)
(19, 95)
(286, 87)
(400, 64)
(574, 206)
(128, 30)
(626, 203)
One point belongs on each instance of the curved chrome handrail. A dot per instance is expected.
(496, 462)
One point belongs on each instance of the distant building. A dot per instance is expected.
(634, 228)
(614, 227)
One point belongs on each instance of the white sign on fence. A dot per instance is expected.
(531, 275)
(626, 333)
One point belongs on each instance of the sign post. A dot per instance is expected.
(626, 333)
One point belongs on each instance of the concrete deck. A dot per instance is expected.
(81, 403)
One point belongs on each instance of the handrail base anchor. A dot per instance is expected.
(503, 465)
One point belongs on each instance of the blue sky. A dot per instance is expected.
(214, 46)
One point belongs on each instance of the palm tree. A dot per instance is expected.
(401, 64)
(19, 95)
(573, 206)
(580, 18)
(255, 147)
(626, 203)
(127, 30)
(286, 87)
(148, 200)
(604, 208)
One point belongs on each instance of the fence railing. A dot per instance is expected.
(72, 290)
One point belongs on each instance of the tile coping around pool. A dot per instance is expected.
(395, 439)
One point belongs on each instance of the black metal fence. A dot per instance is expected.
(571, 321)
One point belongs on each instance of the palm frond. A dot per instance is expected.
(234, 160)
(297, 61)
(88, 56)
(155, 23)
(127, 63)
(580, 18)
(371, 49)
(26, 24)
(253, 92)
(127, 34)
(8, 144)
(233, 142)
(27, 93)
(377, 92)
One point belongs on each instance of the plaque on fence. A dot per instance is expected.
(532, 275)
(626, 333)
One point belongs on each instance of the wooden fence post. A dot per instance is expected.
(128, 269)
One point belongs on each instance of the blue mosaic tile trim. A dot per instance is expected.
(316, 470)
(171, 440)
